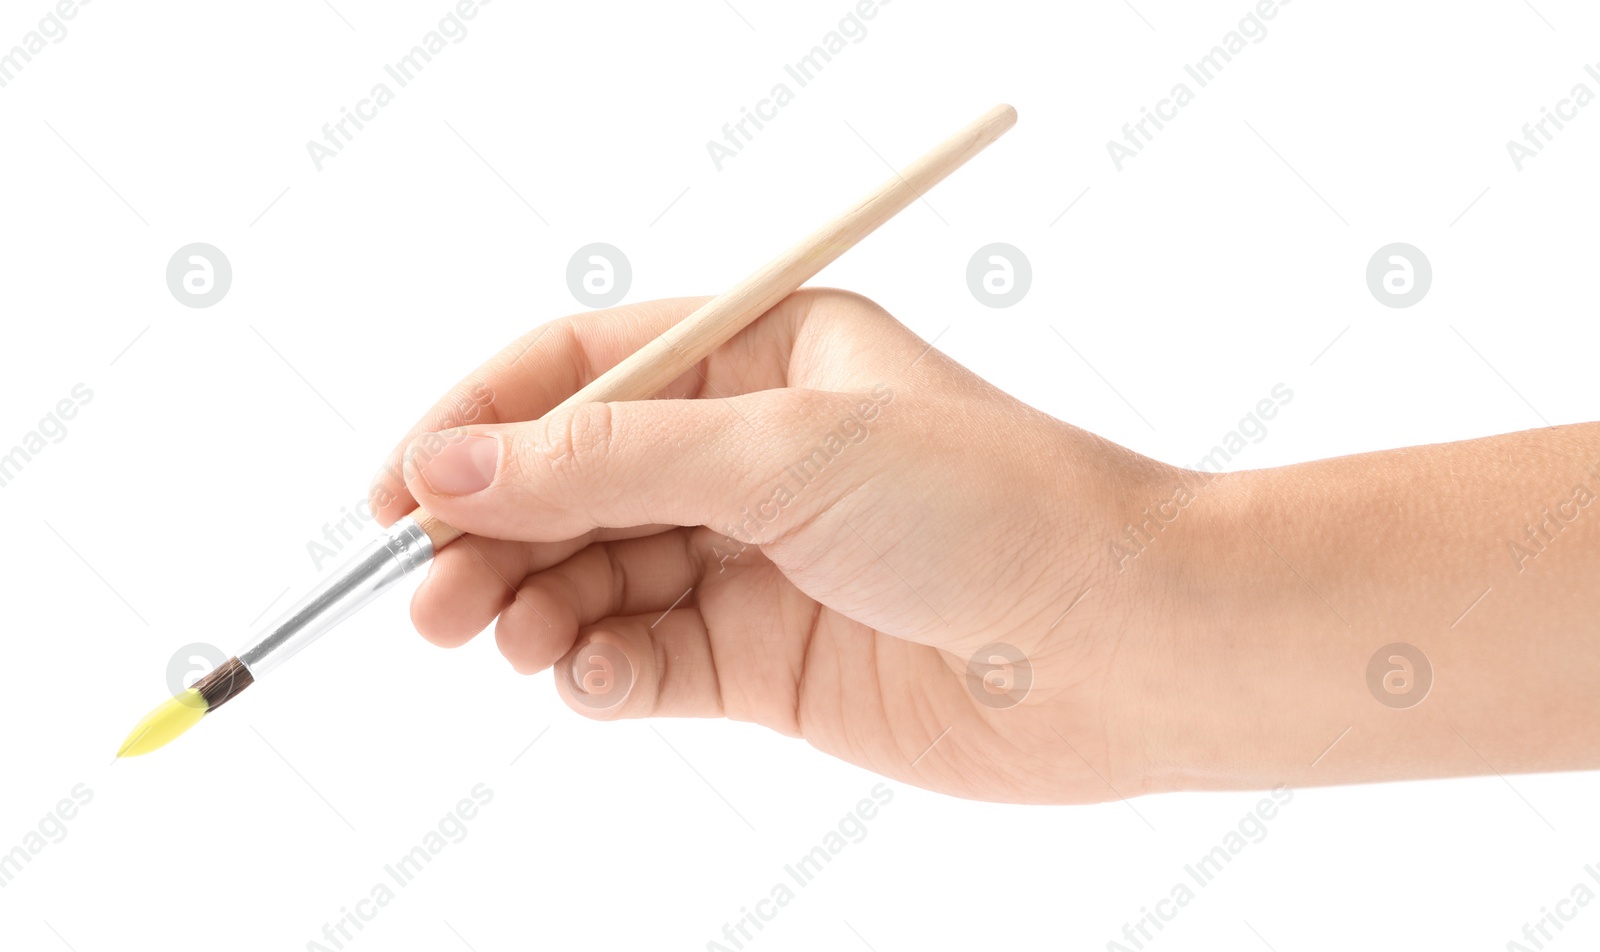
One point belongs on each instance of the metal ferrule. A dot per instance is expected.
(373, 570)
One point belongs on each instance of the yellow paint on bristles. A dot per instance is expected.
(166, 722)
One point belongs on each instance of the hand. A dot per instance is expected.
(816, 529)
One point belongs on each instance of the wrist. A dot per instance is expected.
(1219, 685)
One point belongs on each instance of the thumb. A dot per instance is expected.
(752, 466)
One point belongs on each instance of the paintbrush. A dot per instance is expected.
(413, 540)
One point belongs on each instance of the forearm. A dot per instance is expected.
(1285, 583)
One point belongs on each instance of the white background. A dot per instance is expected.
(1223, 260)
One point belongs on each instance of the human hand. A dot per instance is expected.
(815, 529)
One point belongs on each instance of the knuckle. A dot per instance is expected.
(577, 443)
(473, 401)
(852, 298)
(840, 308)
(554, 335)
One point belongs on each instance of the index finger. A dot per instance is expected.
(528, 377)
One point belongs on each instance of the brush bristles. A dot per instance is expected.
(221, 685)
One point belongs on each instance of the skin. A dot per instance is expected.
(1232, 652)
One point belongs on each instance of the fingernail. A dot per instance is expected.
(601, 675)
(465, 465)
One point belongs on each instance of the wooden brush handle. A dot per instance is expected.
(648, 371)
